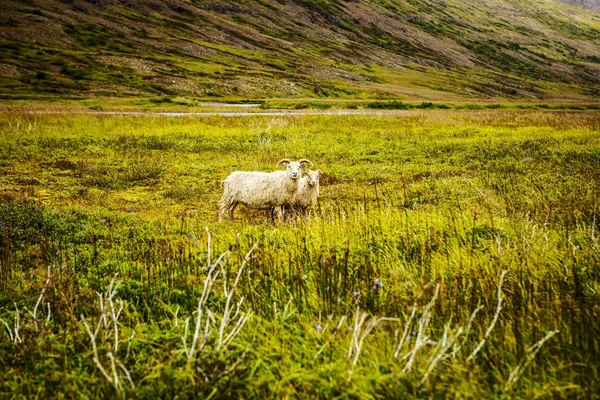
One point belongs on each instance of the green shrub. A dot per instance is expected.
(388, 105)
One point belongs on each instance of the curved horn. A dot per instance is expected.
(283, 160)
(306, 160)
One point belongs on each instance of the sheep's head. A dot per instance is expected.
(313, 177)
(294, 168)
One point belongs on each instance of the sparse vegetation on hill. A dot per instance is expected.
(427, 50)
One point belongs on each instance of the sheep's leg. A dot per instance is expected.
(222, 210)
(272, 218)
(283, 212)
(278, 210)
(289, 212)
(231, 210)
(227, 207)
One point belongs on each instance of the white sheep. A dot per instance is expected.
(262, 190)
(308, 191)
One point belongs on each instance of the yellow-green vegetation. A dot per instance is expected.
(453, 253)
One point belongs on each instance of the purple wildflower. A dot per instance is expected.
(319, 328)
(356, 294)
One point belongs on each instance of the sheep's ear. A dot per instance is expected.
(285, 163)
(320, 172)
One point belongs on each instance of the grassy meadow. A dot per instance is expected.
(453, 253)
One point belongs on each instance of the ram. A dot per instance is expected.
(262, 190)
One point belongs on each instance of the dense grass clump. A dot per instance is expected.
(452, 254)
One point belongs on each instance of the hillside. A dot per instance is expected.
(411, 49)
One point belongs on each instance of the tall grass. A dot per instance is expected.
(452, 254)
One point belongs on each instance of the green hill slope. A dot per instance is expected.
(408, 49)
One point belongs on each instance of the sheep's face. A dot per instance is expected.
(313, 177)
(294, 169)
